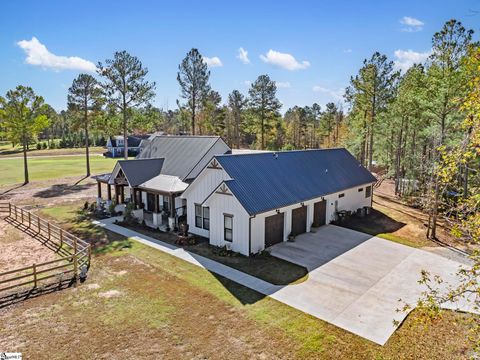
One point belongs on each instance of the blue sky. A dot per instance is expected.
(311, 48)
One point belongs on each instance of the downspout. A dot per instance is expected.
(250, 235)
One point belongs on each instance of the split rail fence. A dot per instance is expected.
(75, 253)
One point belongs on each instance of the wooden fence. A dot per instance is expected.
(75, 254)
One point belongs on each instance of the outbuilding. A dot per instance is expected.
(252, 201)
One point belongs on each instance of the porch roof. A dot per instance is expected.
(165, 184)
(103, 178)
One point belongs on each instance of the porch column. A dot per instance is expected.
(139, 196)
(116, 194)
(172, 206)
(99, 189)
(122, 194)
(109, 192)
(135, 199)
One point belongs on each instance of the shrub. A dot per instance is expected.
(39, 146)
(128, 216)
(111, 208)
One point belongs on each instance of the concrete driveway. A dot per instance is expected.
(356, 280)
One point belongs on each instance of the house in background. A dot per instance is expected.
(252, 201)
(155, 180)
(115, 145)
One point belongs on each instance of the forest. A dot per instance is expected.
(419, 126)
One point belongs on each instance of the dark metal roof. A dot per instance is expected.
(182, 154)
(268, 181)
(139, 171)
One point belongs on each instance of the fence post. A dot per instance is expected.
(21, 215)
(16, 212)
(9, 209)
(75, 245)
(61, 238)
(29, 220)
(34, 266)
(48, 230)
(75, 268)
(38, 225)
(89, 255)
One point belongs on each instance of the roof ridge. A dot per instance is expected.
(265, 152)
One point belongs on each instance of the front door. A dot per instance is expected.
(151, 202)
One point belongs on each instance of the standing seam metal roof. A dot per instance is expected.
(140, 170)
(181, 153)
(268, 181)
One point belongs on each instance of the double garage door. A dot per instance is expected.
(274, 224)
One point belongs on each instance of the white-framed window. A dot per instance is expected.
(202, 217)
(206, 218)
(228, 227)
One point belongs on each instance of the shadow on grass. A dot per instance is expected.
(243, 294)
(17, 296)
(374, 224)
(4, 194)
(33, 233)
(263, 266)
(61, 189)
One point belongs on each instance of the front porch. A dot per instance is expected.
(159, 210)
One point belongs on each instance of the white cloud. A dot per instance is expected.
(243, 56)
(334, 94)
(411, 24)
(283, 60)
(347, 51)
(282, 84)
(247, 83)
(212, 62)
(407, 58)
(38, 54)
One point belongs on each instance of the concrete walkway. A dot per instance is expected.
(355, 280)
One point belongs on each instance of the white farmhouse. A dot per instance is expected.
(251, 201)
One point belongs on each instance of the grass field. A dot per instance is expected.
(6, 150)
(51, 168)
(150, 305)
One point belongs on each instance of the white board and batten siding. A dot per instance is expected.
(221, 204)
(249, 234)
(352, 200)
(202, 187)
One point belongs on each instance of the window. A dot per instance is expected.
(341, 195)
(206, 218)
(228, 227)
(368, 191)
(198, 216)
(360, 189)
(202, 217)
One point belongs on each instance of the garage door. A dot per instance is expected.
(274, 229)
(299, 220)
(319, 213)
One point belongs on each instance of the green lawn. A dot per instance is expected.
(140, 300)
(51, 168)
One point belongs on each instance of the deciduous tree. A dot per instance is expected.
(23, 119)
